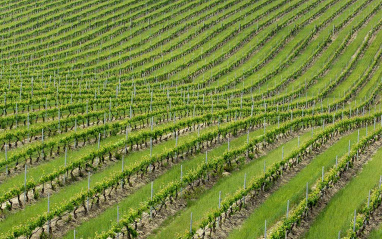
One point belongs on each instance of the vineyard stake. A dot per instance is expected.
(265, 230)
(264, 125)
(123, 162)
(28, 122)
(282, 153)
(245, 179)
(355, 217)
(6, 159)
(181, 172)
(264, 167)
(287, 212)
(191, 224)
(99, 139)
(17, 111)
(151, 147)
(322, 178)
(48, 212)
(25, 184)
(88, 189)
(181, 177)
(298, 141)
(152, 192)
(110, 109)
(220, 194)
(127, 132)
(59, 116)
(358, 137)
(46, 108)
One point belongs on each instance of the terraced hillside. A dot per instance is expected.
(191, 119)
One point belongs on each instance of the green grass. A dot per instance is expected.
(88, 50)
(343, 60)
(54, 138)
(264, 50)
(46, 167)
(339, 212)
(227, 185)
(69, 191)
(360, 68)
(327, 54)
(294, 43)
(274, 207)
(231, 43)
(104, 220)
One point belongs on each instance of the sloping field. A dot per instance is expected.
(191, 119)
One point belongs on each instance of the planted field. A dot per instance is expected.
(191, 119)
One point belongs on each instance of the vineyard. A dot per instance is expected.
(191, 119)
